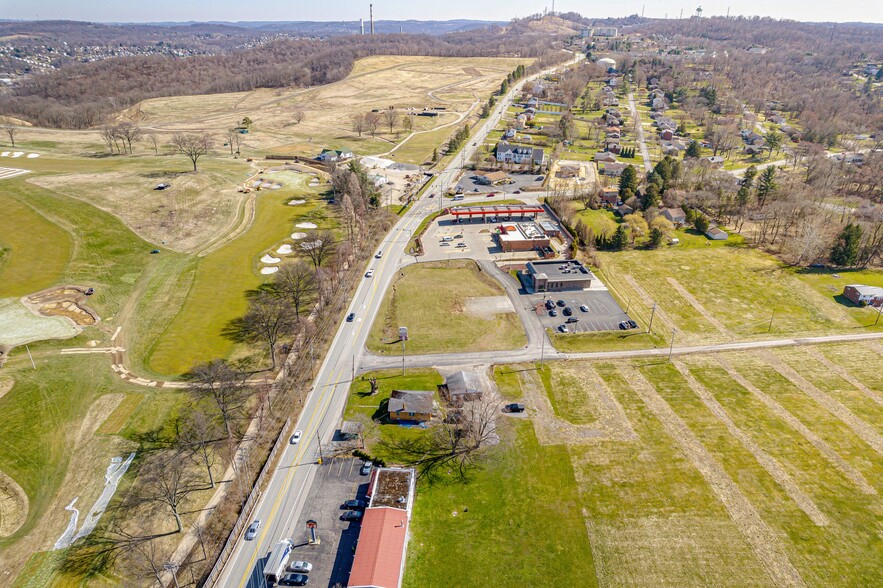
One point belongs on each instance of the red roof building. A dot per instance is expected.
(380, 554)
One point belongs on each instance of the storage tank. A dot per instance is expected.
(607, 63)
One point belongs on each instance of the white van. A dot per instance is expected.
(458, 197)
(447, 239)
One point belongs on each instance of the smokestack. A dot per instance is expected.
(361, 26)
(371, 10)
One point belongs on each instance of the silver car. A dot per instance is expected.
(301, 567)
(252, 531)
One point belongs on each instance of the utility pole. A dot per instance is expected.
(319, 439)
(672, 346)
(628, 305)
(354, 368)
(542, 348)
(770, 326)
(877, 320)
(652, 314)
(403, 357)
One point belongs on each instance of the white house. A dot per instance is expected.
(508, 153)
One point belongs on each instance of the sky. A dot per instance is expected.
(503, 10)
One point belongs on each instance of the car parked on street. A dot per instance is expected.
(252, 530)
(351, 515)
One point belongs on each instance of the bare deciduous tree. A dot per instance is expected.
(223, 385)
(455, 444)
(318, 247)
(296, 283)
(108, 135)
(11, 130)
(267, 319)
(391, 116)
(359, 124)
(299, 115)
(166, 479)
(198, 436)
(129, 132)
(151, 137)
(192, 146)
(372, 122)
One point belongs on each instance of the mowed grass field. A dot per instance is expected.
(430, 299)
(745, 469)
(375, 83)
(215, 285)
(718, 293)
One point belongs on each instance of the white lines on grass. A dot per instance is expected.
(858, 426)
(763, 541)
(644, 295)
(840, 371)
(831, 456)
(11, 172)
(769, 463)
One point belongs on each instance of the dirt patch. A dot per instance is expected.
(13, 506)
(488, 306)
(6, 385)
(64, 301)
(97, 414)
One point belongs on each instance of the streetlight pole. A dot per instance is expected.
(652, 314)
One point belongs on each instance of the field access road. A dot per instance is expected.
(281, 507)
(533, 352)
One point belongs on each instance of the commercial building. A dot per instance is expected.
(557, 276)
(508, 153)
(499, 212)
(522, 237)
(383, 539)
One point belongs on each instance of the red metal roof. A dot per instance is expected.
(381, 549)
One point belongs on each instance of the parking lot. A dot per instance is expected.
(477, 237)
(468, 183)
(603, 314)
(337, 481)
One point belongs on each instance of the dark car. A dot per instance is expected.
(517, 192)
(294, 580)
(515, 407)
(623, 325)
(553, 312)
(561, 303)
(572, 319)
(550, 304)
(567, 311)
(353, 505)
(351, 515)
(154, 251)
(633, 324)
(366, 468)
(350, 317)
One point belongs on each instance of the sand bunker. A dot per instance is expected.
(306, 226)
(284, 249)
(4, 154)
(13, 506)
(298, 236)
(296, 202)
(17, 154)
(307, 245)
(270, 259)
(66, 301)
(269, 270)
(33, 155)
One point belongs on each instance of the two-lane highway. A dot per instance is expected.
(281, 506)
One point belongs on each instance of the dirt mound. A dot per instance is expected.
(66, 301)
(13, 506)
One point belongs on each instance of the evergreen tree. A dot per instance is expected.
(628, 182)
(682, 128)
(692, 150)
(766, 185)
(620, 238)
(845, 250)
(650, 197)
(701, 223)
(656, 238)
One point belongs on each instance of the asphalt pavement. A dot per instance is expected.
(281, 505)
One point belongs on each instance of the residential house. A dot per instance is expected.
(605, 158)
(510, 133)
(610, 197)
(864, 295)
(508, 153)
(410, 405)
(613, 169)
(613, 133)
(753, 150)
(520, 122)
(532, 102)
(676, 215)
(714, 160)
(716, 234)
(776, 119)
(658, 104)
(612, 145)
(332, 155)
(667, 135)
(623, 210)
(461, 387)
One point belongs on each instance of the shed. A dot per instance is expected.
(716, 234)
(461, 387)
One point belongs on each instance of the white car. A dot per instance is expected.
(252, 530)
(301, 567)
(369, 273)
(295, 439)
(379, 254)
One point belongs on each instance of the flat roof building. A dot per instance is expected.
(522, 237)
(556, 276)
